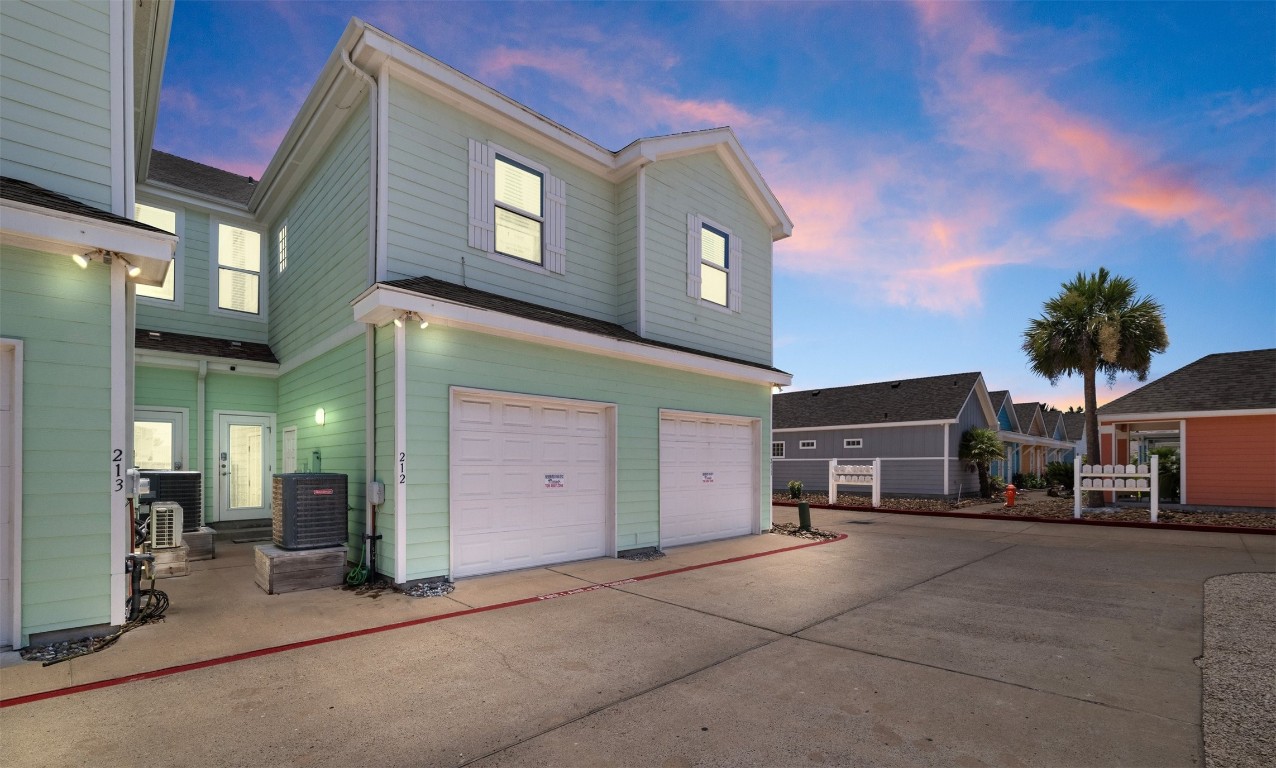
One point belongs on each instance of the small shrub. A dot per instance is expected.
(1059, 473)
(1027, 480)
(795, 489)
(997, 484)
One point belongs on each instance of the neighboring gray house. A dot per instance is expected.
(914, 426)
(1074, 427)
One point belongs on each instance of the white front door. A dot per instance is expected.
(10, 459)
(159, 438)
(708, 477)
(531, 482)
(244, 463)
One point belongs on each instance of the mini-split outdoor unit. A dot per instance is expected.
(166, 525)
(308, 510)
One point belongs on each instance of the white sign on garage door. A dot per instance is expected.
(531, 481)
(708, 477)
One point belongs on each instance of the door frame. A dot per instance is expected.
(14, 347)
(181, 441)
(268, 455)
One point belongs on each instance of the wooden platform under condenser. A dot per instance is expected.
(171, 561)
(284, 570)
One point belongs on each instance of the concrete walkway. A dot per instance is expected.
(915, 641)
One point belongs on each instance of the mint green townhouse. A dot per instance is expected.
(521, 347)
(78, 86)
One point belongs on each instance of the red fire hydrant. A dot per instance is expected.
(1010, 495)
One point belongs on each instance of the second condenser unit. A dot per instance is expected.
(308, 510)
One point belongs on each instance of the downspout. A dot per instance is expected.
(199, 421)
(642, 250)
(369, 336)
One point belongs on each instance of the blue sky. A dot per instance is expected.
(947, 166)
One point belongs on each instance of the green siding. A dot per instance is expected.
(327, 245)
(335, 382)
(235, 393)
(62, 315)
(627, 253)
(702, 184)
(428, 217)
(55, 97)
(171, 388)
(443, 357)
(196, 314)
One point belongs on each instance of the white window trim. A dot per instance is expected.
(779, 455)
(214, 284)
(179, 257)
(281, 247)
(735, 267)
(180, 418)
(853, 442)
(806, 445)
(482, 208)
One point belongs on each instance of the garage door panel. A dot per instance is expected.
(707, 479)
(532, 483)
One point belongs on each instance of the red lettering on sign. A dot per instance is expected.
(323, 491)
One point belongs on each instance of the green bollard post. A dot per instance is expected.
(804, 516)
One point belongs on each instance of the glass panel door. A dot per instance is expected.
(245, 455)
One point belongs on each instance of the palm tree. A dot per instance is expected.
(981, 447)
(1096, 325)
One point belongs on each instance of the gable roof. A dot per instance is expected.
(1074, 426)
(1226, 381)
(1026, 415)
(932, 398)
(201, 179)
(1002, 399)
(1054, 421)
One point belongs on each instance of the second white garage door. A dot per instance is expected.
(531, 482)
(708, 482)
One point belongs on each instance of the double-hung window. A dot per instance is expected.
(713, 263)
(238, 268)
(518, 209)
(161, 218)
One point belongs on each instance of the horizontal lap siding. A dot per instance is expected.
(428, 213)
(61, 313)
(327, 245)
(627, 253)
(171, 388)
(444, 357)
(1231, 461)
(55, 96)
(334, 382)
(235, 393)
(701, 184)
(899, 478)
(884, 442)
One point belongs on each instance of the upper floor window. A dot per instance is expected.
(160, 218)
(238, 268)
(853, 442)
(806, 444)
(283, 247)
(713, 263)
(517, 208)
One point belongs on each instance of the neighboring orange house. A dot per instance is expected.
(1220, 412)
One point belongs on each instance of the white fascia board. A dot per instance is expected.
(985, 401)
(1022, 439)
(927, 423)
(168, 193)
(381, 304)
(43, 229)
(1119, 418)
(155, 359)
(150, 53)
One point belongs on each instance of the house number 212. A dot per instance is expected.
(403, 471)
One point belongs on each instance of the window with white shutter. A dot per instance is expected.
(517, 208)
(713, 263)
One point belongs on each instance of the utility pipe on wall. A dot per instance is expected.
(199, 424)
(642, 249)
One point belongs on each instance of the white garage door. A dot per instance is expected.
(708, 482)
(531, 482)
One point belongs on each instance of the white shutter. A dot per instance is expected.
(693, 255)
(735, 268)
(482, 197)
(555, 225)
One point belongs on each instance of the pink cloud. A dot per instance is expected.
(1003, 113)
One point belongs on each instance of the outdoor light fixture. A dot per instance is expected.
(97, 254)
(321, 416)
(81, 259)
(776, 389)
(398, 321)
(133, 269)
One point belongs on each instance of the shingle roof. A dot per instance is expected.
(203, 346)
(474, 297)
(926, 399)
(1227, 381)
(1074, 425)
(33, 194)
(197, 177)
(998, 399)
(1024, 413)
(1052, 419)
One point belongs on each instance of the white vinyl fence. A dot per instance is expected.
(1115, 477)
(856, 474)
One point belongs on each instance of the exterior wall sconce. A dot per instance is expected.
(406, 316)
(321, 416)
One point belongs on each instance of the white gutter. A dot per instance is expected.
(199, 419)
(642, 250)
(880, 425)
(374, 189)
(369, 440)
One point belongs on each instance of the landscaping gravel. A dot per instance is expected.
(1038, 505)
(1238, 671)
(792, 529)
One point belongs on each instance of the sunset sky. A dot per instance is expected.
(946, 165)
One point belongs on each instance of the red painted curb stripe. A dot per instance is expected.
(1025, 518)
(245, 655)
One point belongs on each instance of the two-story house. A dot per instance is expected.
(541, 349)
(78, 87)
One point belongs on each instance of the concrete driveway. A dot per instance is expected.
(915, 641)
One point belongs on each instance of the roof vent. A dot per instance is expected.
(886, 414)
(153, 334)
(895, 385)
(236, 344)
(816, 393)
